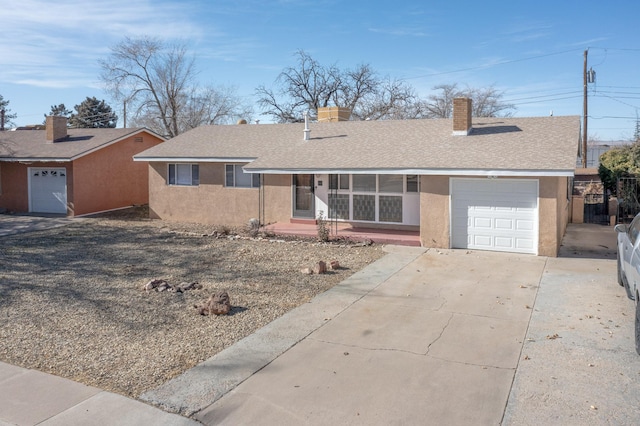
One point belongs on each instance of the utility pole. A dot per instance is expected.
(584, 112)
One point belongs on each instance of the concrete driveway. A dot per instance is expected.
(437, 337)
(18, 224)
(438, 342)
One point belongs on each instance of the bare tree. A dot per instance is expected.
(391, 100)
(487, 102)
(309, 85)
(157, 82)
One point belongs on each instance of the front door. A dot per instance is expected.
(303, 196)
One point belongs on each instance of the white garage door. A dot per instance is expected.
(495, 214)
(47, 190)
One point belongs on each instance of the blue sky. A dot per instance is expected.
(532, 51)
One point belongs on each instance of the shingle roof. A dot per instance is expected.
(32, 145)
(540, 144)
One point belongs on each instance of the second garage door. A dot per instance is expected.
(495, 214)
(47, 190)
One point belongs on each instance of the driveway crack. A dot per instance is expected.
(440, 334)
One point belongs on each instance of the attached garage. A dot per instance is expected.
(48, 190)
(495, 214)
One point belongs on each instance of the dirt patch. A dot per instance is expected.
(72, 301)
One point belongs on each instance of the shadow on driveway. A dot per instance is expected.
(588, 240)
(19, 224)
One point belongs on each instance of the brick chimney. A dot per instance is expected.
(461, 116)
(333, 114)
(56, 128)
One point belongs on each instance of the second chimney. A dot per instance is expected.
(56, 128)
(333, 114)
(461, 116)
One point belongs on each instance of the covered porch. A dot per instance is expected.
(309, 229)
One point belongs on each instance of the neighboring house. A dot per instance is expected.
(596, 149)
(499, 184)
(73, 171)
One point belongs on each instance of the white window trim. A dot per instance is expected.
(351, 192)
(254, 176)
(191, 178)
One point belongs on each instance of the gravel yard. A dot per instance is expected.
(72, 304)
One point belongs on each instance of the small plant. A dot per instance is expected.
(253, 227)
(323, 228)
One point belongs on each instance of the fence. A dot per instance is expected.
(628, 192)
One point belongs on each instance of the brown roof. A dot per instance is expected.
(545, 145)
(31, 145)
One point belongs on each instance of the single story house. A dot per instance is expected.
(73, 171)
(500, 184)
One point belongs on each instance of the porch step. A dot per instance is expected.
(303, 221)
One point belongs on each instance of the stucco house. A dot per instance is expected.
(73, 171)
(499, 184)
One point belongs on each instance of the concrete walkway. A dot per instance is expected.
(29, 397)
(435, 336)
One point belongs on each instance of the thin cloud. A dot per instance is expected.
(50, 40)
(402, 32)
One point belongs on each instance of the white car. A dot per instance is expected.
(629, 266)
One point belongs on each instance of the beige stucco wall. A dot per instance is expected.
(435, 217)
(578, 209)
(213, 203)
(553, 214)
(434, 211)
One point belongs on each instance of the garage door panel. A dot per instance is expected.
(495, 214)
(48, 190)
(504, 224)
(525, 225)
(482, 240)
(481, 222)
(505, 243)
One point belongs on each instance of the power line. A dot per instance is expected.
(511, 61)
(542, 96)
(548, 100)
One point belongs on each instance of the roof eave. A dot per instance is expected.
(34, 160)
(194, 159)
(420, 171)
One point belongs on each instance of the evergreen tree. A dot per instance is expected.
(58, 110)
(93, 113)
(7, 113)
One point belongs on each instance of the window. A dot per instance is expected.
(634, 230)
(236, 177)
(184, 174)
(339, 182)
(339, 206)
(412, 183)
(364, 183)
(390, 183)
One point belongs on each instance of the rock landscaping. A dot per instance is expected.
(109, 302)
